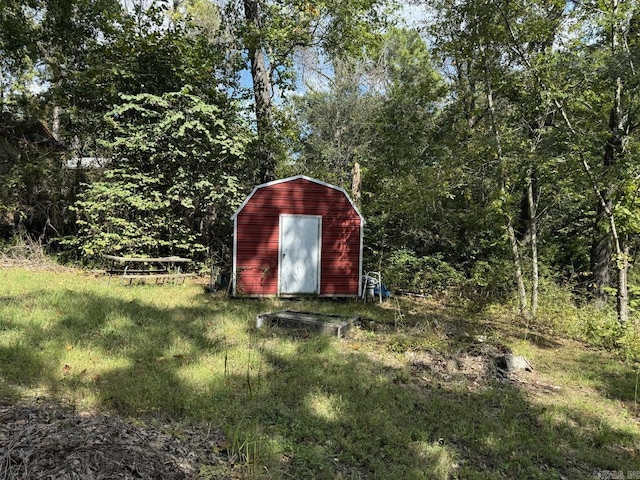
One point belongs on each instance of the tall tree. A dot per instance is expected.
(272, 33)
(144, 53)
(176, 164)
(620, 39)
(262, 91)
(41, 43)
(471, 38)
(336, 126)
(84, 54)
(507, 113)
(601, 36)
(375, 115)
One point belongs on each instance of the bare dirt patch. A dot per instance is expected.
(477, 366)
(48, 440)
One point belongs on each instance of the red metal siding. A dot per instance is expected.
(257, 234)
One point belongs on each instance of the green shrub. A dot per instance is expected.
(599, 326)
(629, 341)
(172, 181)
(491, 278)
(595, 325)
(425, 275)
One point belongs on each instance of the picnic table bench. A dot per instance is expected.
(147, 268)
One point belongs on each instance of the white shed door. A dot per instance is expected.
(299, 254)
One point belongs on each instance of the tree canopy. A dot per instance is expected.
(492, 145)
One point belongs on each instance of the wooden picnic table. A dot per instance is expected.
(147, 268)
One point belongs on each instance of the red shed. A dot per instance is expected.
(297, 236)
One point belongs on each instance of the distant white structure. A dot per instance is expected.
(86, 163)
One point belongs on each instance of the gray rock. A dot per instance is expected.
(513, 363)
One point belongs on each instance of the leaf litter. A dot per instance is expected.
(42, 439)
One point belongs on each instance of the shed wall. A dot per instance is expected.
(257, 234)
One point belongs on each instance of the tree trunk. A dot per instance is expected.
(606, 238)
(55, 125)
(601, 246)
(618, 123)
(513, 241)
(609, 238)
(517, 265)
(356, 183)
(600, 256)
(533, 231)
(623, 290)
(262, 94)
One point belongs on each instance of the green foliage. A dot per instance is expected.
(335, 28)
(491, 278)
(413, 87)
(122, 213)
(562, 312)
(16, 36)
(628, 341)
(141, 50)
(65, 63)
(35, 188)
(634, 290)
(598, 326)
(336, 128)
(426, 275)
(173, 179)
(447, 132)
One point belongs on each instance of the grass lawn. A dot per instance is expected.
(411, 394)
